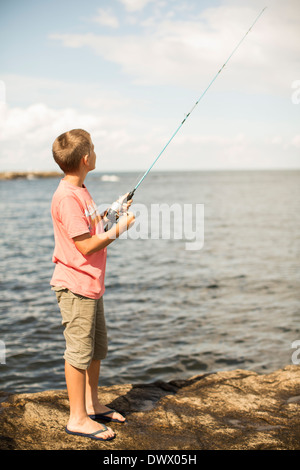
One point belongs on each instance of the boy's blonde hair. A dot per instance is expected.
(69, 148)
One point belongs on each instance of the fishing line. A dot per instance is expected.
(112, 211)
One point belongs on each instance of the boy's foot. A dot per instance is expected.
(90, 428)
(102, 412)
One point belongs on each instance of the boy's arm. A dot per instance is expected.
(88, 244)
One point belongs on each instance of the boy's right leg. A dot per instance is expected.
(93, 406)
(79, 420)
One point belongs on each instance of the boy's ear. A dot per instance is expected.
(85, 159)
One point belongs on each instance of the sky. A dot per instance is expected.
(128, 71)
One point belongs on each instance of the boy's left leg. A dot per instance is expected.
(93, 406)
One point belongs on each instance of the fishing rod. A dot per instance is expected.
(112, 213)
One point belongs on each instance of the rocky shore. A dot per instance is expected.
(235, 410)
(13, 175)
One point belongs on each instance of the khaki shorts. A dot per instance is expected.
(85, 329)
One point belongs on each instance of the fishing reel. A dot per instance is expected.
(115, 211)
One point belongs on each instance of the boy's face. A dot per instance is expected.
(92, 158)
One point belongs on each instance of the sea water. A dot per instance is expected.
(171, 312)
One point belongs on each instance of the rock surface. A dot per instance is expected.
(238, 409)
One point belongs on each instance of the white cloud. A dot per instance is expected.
(25, 90)
(296, 142)
(173, 50)
(47, 108)
(189, 52)
(135, 5)
(277, 140)
(27, 135)
(106, 18)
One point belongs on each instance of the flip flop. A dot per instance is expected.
(104, 417)
(91, 435)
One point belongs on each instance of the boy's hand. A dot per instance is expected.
(126, 221)
(117, 209)
(124, 203)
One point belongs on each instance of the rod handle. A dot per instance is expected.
(130, 195)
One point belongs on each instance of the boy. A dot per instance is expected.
(78, 281)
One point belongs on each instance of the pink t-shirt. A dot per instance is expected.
(74, 213)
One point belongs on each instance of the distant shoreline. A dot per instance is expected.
(112, 176)
(12, 175)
